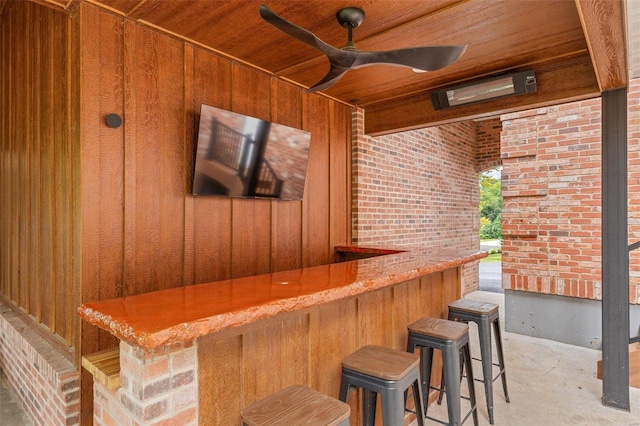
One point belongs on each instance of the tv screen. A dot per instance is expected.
(242, 156)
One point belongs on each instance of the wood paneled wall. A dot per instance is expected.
(40, 167)
(118, 200)
(89, 212)
(142, 230)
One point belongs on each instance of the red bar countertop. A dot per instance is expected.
(182, 314)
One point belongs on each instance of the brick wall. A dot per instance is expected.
(551, 182)
(488, 144)
(157, 388)
(419, 188)
(46, 384)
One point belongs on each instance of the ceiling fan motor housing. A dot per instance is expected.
(350, 17)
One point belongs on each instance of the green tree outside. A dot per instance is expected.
(490, 207)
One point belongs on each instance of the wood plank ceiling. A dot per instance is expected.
(576, 47)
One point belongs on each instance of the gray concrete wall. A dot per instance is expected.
(564, 319)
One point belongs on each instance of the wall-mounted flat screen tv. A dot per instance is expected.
(242, 156)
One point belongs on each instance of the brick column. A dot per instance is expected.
(157, 388)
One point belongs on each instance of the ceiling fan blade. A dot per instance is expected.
(428, 58)
(335, 73)
(295, 31)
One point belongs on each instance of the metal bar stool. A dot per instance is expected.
(297, 404)
(484, 314)
(452, 339)
(390, 373)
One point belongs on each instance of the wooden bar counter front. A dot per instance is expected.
(199, 354)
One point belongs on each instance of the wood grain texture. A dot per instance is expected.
(603, 24)
(104, 366)
(220, 385)
(286, 216)
(340, 175)
(156, 92)
(307, 346)
(296, 404)
(212, 215)
(121, 196)
(558, 81)
(39, 157)
(103, 165)
(251, 227)
(315, 225)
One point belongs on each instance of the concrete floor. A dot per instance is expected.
(11, 411)
(550, 384)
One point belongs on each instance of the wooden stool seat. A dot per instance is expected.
(485, 315)
(388, 372)
(385, 363)
(452, 340)
(294, 405)
(474, 306)
(439, 328)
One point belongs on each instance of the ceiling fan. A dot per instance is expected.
(427, 58)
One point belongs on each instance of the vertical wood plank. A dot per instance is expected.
(26, 147)
(4, 165)
(295, 357)
(130, 160)
(102, 61)
(34, 160)
(47, 151)
(315, 225)
(251, 240)
(452, 287)
(340, 176)
(407, 308)
(286, 236)
(261, 350)
(156, 92)
(188, 270)
(18, 165)
(220, 386)
(74, 297)
(375, 309)
(431, 287)
(90, 64)
(251, 227)
(61, 175)
(212, 215)
(338, 319)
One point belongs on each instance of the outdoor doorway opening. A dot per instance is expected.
(490, 210)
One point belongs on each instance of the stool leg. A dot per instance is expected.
(503, 372)
(442, 386)
(470, 383)
(451, 366)
(442, 389)
(426, 360)
(344, 389)
(417, 401)
(393, 407)
(369, 407)
(484, 330)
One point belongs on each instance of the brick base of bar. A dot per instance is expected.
(159, 387)
(43, 380)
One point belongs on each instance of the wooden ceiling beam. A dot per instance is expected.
(603, 23)
(561, 81)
